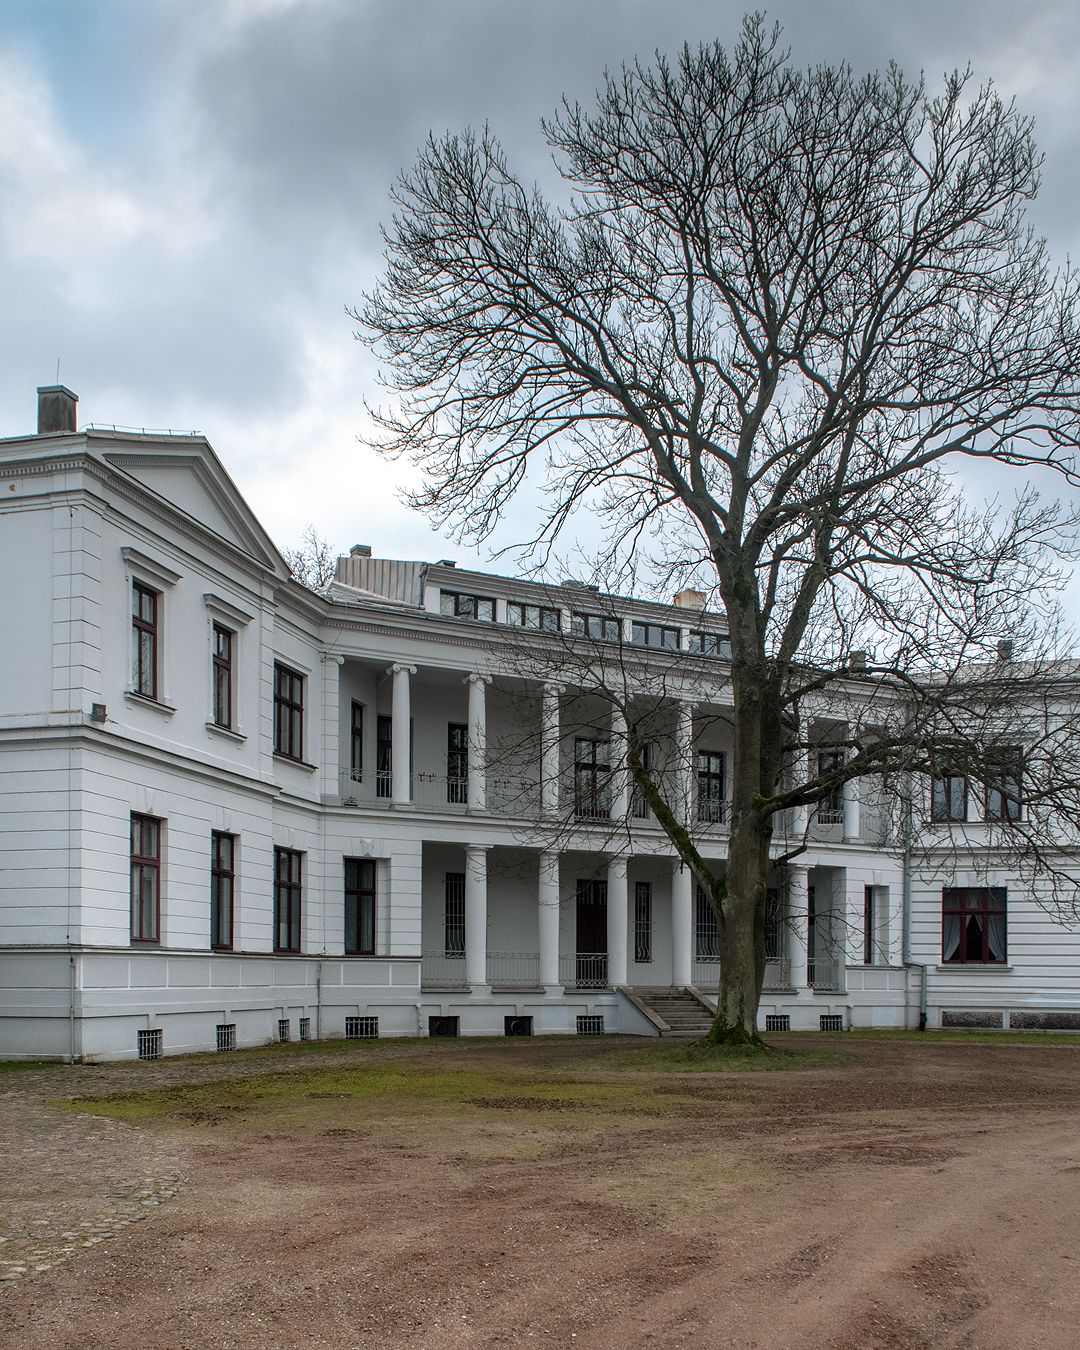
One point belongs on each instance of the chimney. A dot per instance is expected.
(857, 661)
(1005, 650)
(56, 407)
(360, 551)
(689, 599)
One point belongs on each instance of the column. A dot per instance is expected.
(682, 926)
(401, 735)
(331, 735)
(852, 811)
(478, 741)
(798, 924)
(476, 916)
(548, 898)
(620, 778)
(617, 922)
(684, 751)
(550, 734)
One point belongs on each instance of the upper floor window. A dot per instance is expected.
(592, 775)
(359, 907)
(222, 884)
(145, 879)
(541, 617)
(356, 741)
(639, 805)
(830, 810)
(288, 712)
(288, 891)
(223, 642)
(144, 639)
(973, 924)
(710, 778)
(709, 644)
(949, 798)
(600, 627)
(457, 762)
(1003, 782)
(655, 635)
(459, 606)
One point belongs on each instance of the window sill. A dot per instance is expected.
(141, 701)
(973, 968)
(296, 763)
(227, 732)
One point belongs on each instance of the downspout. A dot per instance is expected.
(71, 1007)
(905, 901)
(318, 999)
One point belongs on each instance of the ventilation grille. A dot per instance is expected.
(831, 1022)
(517, 1026)
(150, 1044)
(777, 1022)
(361, 1028)
(305, 1028)
(226, 1035)
(283, 1030)
(589, 1025)
(443, 1026)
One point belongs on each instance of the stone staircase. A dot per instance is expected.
(684, 1014)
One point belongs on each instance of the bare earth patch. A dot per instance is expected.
(475, 1194)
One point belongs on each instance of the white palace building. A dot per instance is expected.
(233, 810)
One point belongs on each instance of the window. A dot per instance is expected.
(222, 882)
(359, 907)
(356, 741)
(223, 676)
(949, 798)
(288, 712)
(541, 617)
(774, 924)
(145, 879)
(144, 640)
(706, 928)
(288, 881)
(149, 1044)
(869, 926)
(1003, 778)
(710, 779)
(458, 606)
(655, 635)
(384, 755)
(599, 627)
(454, 915)
(643, 922)
(457, 762)
(225, 1036)
(592, 771)
(830, 809)
(710, 644)
(973, 925)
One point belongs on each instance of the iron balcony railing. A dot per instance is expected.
(823, 972)
(583, 970)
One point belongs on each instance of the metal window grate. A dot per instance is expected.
(831, 1021)
(777, 1022)
(361, 1028)
(588, 1025)
(305, 1028)
(150, 1044)
(226, 1036)
(283, 1030)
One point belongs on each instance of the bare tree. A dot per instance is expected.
(775, 310)
(314, 563)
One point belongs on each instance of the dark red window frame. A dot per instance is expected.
(145, 872)
(288, 712)
(223, 676)
(360, 907)
(974, 925)
(222, 889)
(288, 899)
(144, 624)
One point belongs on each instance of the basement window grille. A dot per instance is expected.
(283, 1030)
(305, 1028)
(150, 1044)
(361, 1028)
(226, 1036)
(588, 1025)
(777, 1022)
(831, 1021)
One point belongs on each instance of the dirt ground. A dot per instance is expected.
(902, 1195)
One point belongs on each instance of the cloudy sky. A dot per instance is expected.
(191, 192)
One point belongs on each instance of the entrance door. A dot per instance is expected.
(591, 934)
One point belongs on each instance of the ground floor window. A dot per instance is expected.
(359, 907)
(145, 879)
(288, 891)
(643, 922)
(706, 928)
(973, 924)
(454, 915)
(869, 925)
(222, 882)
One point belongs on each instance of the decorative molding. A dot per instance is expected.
(227, 609)
(160, 572)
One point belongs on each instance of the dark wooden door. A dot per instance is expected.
(592, 934)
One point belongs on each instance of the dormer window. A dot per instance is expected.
(457, 605)
(655, 635)
(710, 644)
(543, 618)
(599, 627)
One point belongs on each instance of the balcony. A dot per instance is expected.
(705, 973)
